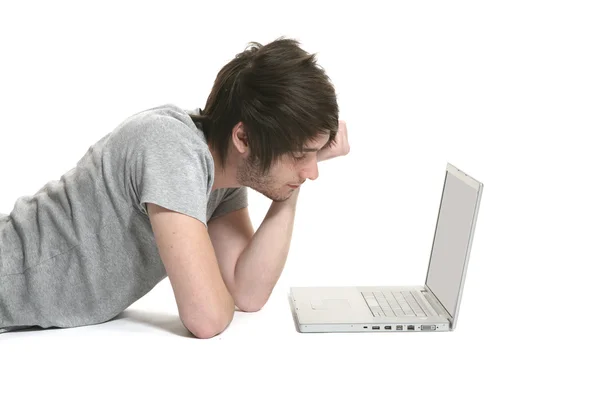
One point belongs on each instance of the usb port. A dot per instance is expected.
(388, 327)
(376, 327)
(410, 327)
(398, 327)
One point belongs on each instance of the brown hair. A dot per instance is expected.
(280, 94)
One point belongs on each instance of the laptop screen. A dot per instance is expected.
(451, 243)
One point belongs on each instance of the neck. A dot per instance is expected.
(224, 177)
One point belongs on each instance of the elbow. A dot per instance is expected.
(206, 327)
(250, 308)
(251, 304)
(205, 331)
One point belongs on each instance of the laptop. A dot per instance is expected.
(432, 307)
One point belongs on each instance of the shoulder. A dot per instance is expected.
(167, 119)
(164, 127)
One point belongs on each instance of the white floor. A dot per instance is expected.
(147, 353)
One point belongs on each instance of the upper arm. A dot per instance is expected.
(184, 245)
(167, 166)
(230, 234)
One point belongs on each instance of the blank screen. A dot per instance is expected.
(451, 240)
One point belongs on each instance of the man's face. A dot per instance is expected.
(291, 169)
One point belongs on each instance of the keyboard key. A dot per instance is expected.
(372, 302)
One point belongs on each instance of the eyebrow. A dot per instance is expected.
(314, 148)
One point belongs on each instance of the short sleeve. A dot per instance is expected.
(171, 169)
(235, 199)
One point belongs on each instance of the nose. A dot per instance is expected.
(310, 172)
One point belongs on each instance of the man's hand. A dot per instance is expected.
(339, 147)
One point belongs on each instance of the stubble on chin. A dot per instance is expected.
(251, 176)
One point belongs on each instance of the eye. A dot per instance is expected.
(300, 157)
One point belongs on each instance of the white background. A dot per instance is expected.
(507, 91)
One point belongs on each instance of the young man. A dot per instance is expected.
(165, 194)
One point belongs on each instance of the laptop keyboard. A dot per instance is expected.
(397, 304)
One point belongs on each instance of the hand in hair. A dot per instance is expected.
(339, 146)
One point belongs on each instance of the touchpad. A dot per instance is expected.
(328, 304)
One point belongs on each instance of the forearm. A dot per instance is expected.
(260, 264)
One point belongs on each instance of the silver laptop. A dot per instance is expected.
(432, 307)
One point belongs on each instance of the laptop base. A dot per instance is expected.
(343, 309)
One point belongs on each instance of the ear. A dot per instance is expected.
(239, 138)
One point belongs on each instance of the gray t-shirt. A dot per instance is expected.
(81, 250)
